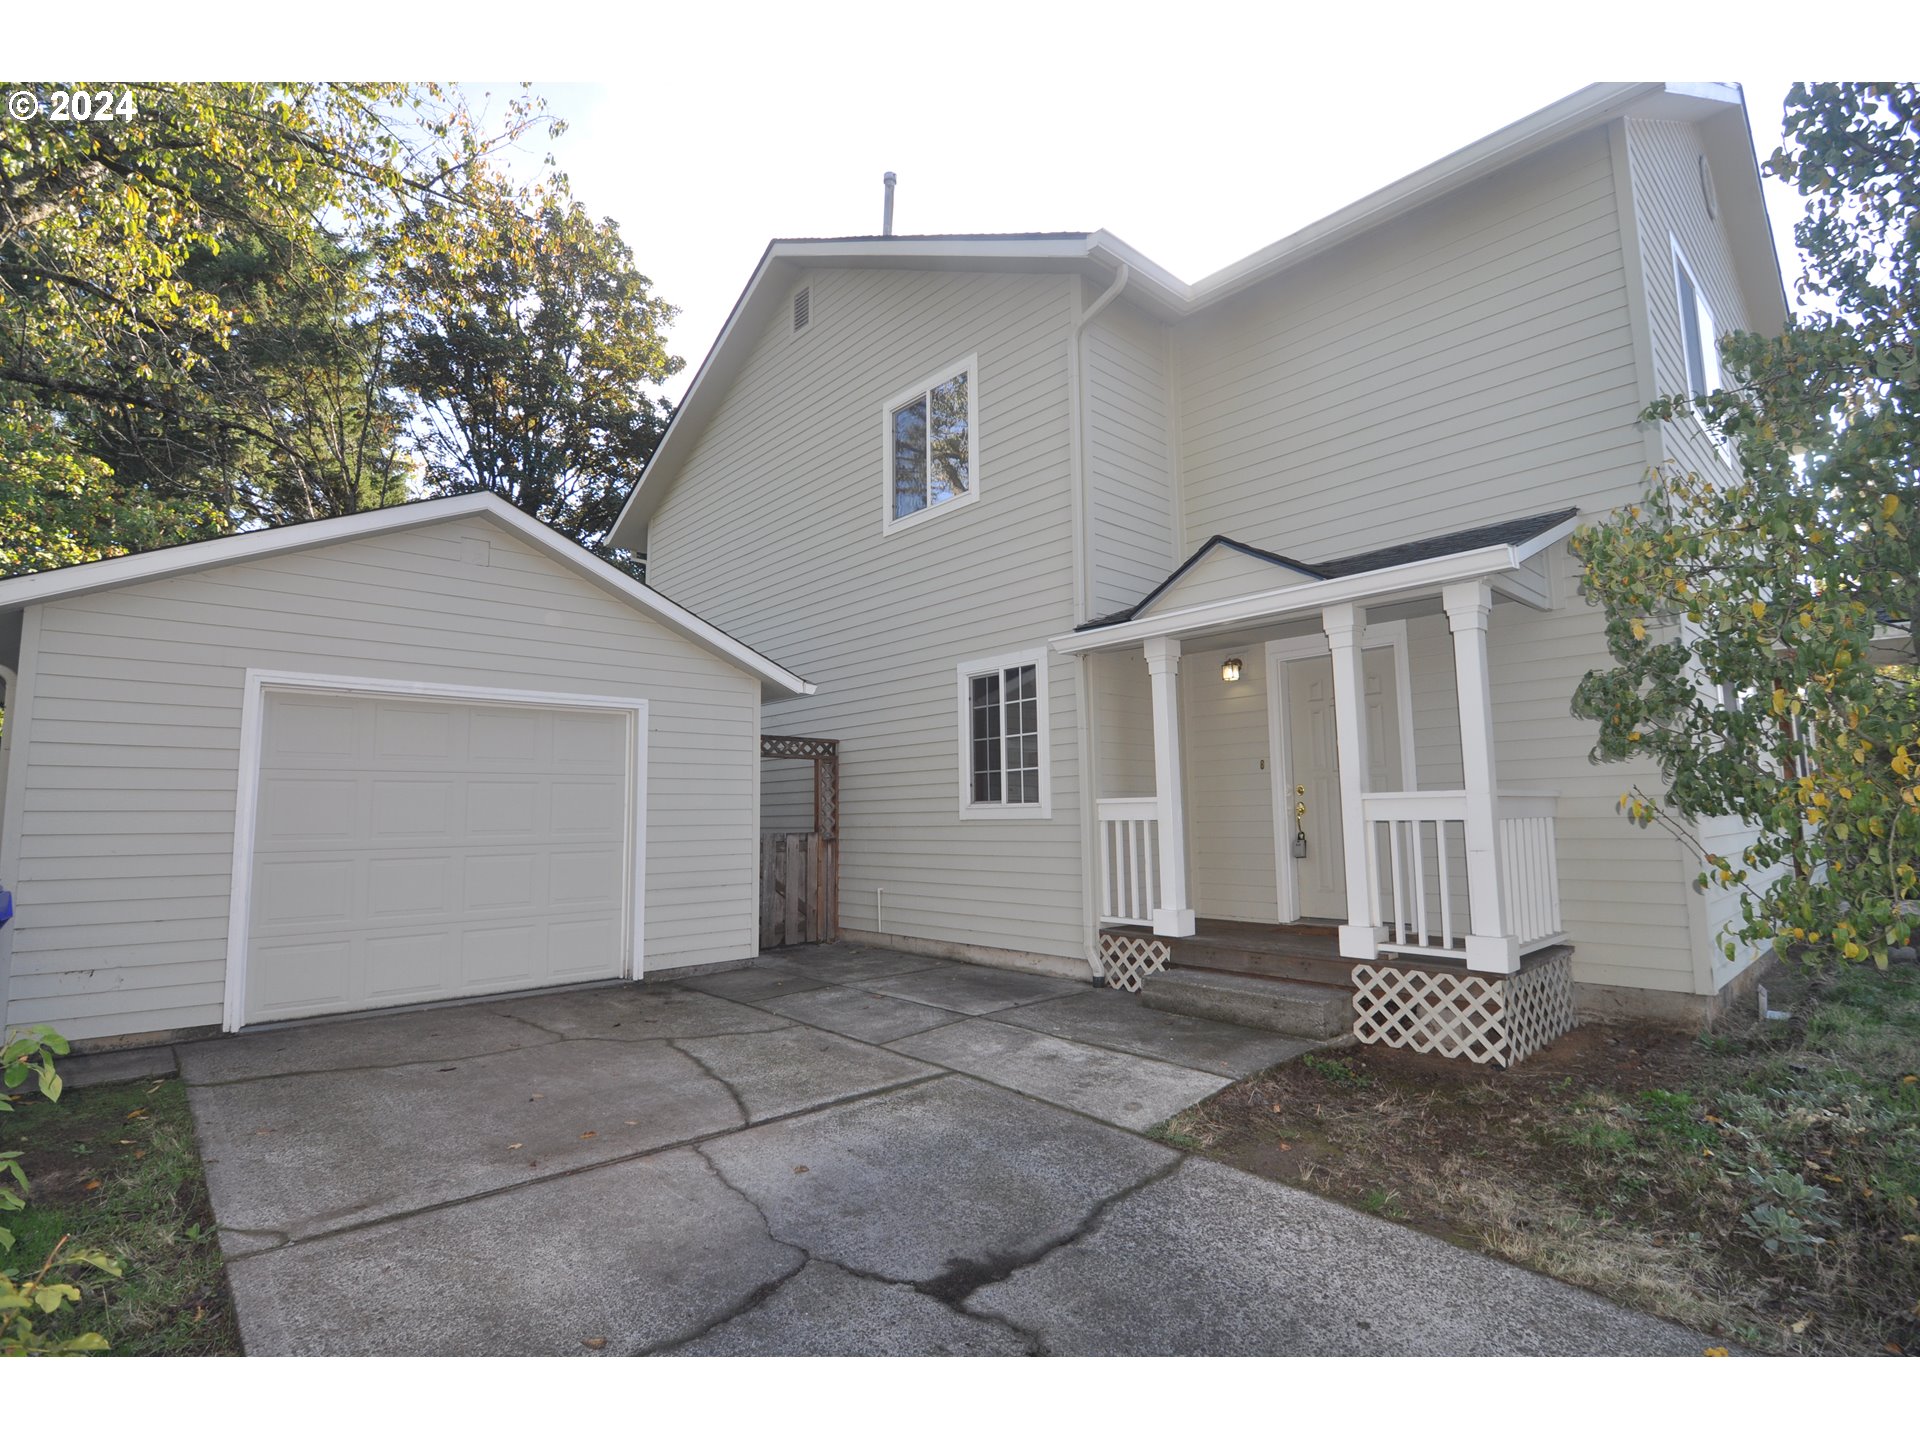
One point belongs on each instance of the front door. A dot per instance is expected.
(1311, 805)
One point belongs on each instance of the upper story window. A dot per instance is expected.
(929, 445)
(1700, 337)
(1003, 736)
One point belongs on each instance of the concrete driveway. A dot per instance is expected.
(841, 1152)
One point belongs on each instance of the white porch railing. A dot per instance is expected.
(1417, 869)
(1529, 868)
(1129, 860)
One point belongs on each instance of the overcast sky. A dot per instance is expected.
(1193, 176)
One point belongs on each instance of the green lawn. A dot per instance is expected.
(115, 1167)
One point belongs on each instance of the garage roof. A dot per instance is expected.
(24, 590)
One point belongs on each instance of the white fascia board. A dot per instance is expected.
(1525, 550)
(232, 549)
(1370, 587)
(1578, 111)
(1158, 288)
(622, 585)
(717, 370)
(252, 545)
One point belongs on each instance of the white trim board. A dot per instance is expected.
(1503, 566)
(1391, 634)
(290, 539)
(247, 798)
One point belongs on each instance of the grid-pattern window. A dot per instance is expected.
(1004, 722)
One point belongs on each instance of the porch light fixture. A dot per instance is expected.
(1230, 671)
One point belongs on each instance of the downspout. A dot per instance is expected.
(1082, 610)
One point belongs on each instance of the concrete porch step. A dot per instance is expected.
(1287, 1007)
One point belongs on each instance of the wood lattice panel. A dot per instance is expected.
(1127, 960)
(796, 747)
(1488, 1019)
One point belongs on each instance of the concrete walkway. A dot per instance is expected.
(842, 1152)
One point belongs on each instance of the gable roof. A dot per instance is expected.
(1207, 547)
(95, 575)
(1100, 255)
(1453, 542)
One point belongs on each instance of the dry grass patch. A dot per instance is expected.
(1758, 1183)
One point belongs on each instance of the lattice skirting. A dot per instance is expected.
(1489, 1019)
(1127, 960)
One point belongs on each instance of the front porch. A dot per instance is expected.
(1316, 762)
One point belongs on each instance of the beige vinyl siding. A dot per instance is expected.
(1625, 899)
(1224, 573)
(1670, 208)
(1437, 761)
(126, 830)
(1129, 421)
(1123, 724)
(772, 530)
(1470, 361)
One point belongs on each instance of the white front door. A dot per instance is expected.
(410, 849)
(1310, 804)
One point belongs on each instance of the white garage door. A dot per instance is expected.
(409, 850)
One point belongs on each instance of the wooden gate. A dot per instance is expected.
(800, 871)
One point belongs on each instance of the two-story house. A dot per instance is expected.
(1238, 616)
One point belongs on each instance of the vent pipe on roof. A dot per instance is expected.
(886, 223)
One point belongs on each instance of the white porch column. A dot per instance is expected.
(1360, 937)
(1174, 917)
(1468, 604)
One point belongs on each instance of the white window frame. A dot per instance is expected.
(963, 677)
(970, 367)
(1711, 374)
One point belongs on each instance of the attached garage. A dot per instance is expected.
(426, 753)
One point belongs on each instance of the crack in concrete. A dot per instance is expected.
(755, 1298)
(725, 1084)
(667, 1040)
(689, 1142)
(964, 1276)
(361, 1069)
(765, 1293)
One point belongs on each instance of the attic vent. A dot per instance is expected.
(802, 308)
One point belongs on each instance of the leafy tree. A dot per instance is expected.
(533, 345)
(59, 507)
(134, 252)
(1762, 624)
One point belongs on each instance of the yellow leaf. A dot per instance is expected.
(1718, 1352)
(1639, 631)
(1888, 506)
(1759, 608)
